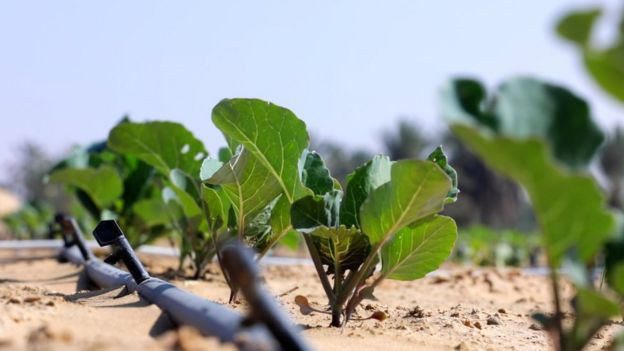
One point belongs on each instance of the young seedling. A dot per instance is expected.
(256, 186)
(387, 215)
(245, 194)
(176, 156)
(113, 185)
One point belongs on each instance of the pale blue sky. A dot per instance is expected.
(70, 69)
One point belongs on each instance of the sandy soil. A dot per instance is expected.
(45, 305)
(8, 202)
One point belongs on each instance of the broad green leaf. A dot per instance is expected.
(529, 108)
(257, 230)
(360, 184)
(525, 108)
(441, 160)
(217, 206)
(187, 192)
(103, 185)
(272, 134)
(463, 100)
(314, 173)
(605, 63)
(247, 184)
(615, 277)
(417, 189)
(607, 68)
(278, 225)
(189, 206)
(414, 252)
(577, 26)
(137, 179)
(291, 240)
(570, 208)
(314, 211)
(280, 217)
(164, 145)
(152, 211)
(340, 248)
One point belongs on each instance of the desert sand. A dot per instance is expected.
(46, 305)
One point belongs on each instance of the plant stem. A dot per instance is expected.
(338, 278)
(272, 242)
(353, 281)
(336, 316)
(214, 236)
(560, 341)
(316, 259)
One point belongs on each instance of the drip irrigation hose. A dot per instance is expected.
(184, 308)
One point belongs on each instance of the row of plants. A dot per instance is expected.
(485, 246)
(266, 187)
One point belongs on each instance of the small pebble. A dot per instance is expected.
(493, 321)
(535, 326)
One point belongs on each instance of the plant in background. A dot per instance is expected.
(111, 185)
(387, 213)
(31, 221)
(245, 194)
(605, 64)
(527, 133)
(485, 246)
(176, 157)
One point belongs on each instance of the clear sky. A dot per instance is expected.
(70, 69)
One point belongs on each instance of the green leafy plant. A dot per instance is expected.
(570, 208)
(486, 246)
(113, 185)
(262, 179)
(243, 194)
(176, 157)
(387, 214)
(31, 221)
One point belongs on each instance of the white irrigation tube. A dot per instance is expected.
(268, 261)
(146, 249)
